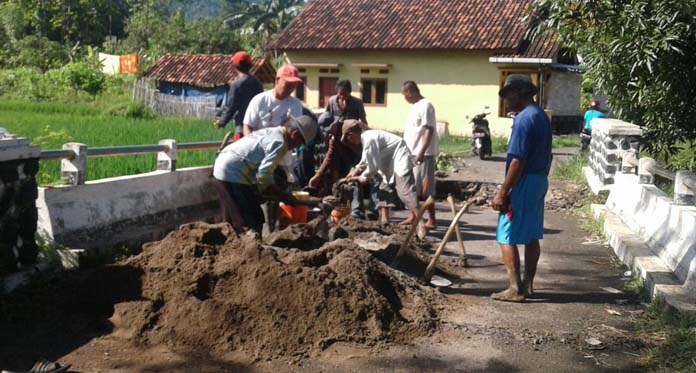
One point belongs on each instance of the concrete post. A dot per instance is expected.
(626, 166)
(73, 171)
(683, 195)
(19, 163)
(166, 161)
(644, 175)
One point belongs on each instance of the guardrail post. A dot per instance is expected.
(644, 175)
(683, 195)
(19, 163)
(626, 158)
(166, 161)
(73, 171)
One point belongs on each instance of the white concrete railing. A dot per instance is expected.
(73, 156)
(664, 225)
(126, 210)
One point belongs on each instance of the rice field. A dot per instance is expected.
(50, 125)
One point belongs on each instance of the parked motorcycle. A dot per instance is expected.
(585, 138)
(482, 144)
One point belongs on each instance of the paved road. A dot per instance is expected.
(546, 334)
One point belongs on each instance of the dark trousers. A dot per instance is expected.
(360, 191)
(246, 199)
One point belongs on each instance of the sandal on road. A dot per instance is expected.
(45, 366)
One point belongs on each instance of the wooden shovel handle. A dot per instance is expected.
(431, 267)
(404, 246)
(450, 200)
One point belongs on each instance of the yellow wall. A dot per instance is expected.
(458, 84)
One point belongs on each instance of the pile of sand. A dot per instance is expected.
(204, 287)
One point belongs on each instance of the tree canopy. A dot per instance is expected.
(641, 54)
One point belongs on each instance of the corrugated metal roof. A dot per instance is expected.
(206, 70)
(493, 25)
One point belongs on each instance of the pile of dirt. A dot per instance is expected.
(204, 287)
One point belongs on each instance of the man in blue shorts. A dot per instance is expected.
(521, 198)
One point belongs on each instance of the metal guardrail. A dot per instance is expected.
(109, 151)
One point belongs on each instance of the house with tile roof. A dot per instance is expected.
(458, 51)
(203, 75)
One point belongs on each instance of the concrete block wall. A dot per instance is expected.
(19, 164)
(610, 138)
(127, 210)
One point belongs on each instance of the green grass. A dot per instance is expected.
(50, 125)
(565, 141)
(571, 170)
(671, 339)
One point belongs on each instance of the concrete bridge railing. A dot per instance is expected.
(100, 214)
(651, 231)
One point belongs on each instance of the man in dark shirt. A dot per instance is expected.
(520, 201)
(242, 90)
(343, 105)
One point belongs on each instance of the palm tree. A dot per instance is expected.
(267, 17)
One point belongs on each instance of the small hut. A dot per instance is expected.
(203, 75)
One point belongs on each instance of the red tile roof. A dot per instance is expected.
(483, 25)
(543, 46)
(205, 70)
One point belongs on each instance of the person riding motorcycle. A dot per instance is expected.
(586, 134)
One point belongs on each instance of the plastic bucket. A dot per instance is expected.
(293, 214)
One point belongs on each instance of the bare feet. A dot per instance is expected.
(528, 287)
(431, 224)
(509, 295)
(408, 221)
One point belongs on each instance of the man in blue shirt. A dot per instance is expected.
(593, 113)
(520, 200)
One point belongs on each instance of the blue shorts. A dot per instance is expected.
(523, 220)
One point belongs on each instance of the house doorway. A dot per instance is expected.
(327, 88)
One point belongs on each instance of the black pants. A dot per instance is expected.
(246, 197)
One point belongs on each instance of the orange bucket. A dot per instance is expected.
(294, 214)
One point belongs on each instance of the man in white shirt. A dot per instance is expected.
(270, 109)
(273, 108)
(387, 154)
(420, 135)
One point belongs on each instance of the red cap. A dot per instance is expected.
(240, 57)
(594, 103)
(289, 73)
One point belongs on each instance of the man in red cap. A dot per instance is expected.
(273, 108)
(242, 90)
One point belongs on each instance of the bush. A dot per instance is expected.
(118, 84)
(138, 110)
(81, 77)
(30, 83)
(38, 52)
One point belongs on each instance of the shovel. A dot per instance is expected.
(458, 233)
(404, 246)
(431, 267)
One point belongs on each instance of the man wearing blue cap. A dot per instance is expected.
(520, 200)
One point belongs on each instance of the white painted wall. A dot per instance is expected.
(99, 203)
(668, 229)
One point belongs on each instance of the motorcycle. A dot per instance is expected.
(585, 139)
(482, 144)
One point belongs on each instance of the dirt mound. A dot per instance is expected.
(204, 287)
